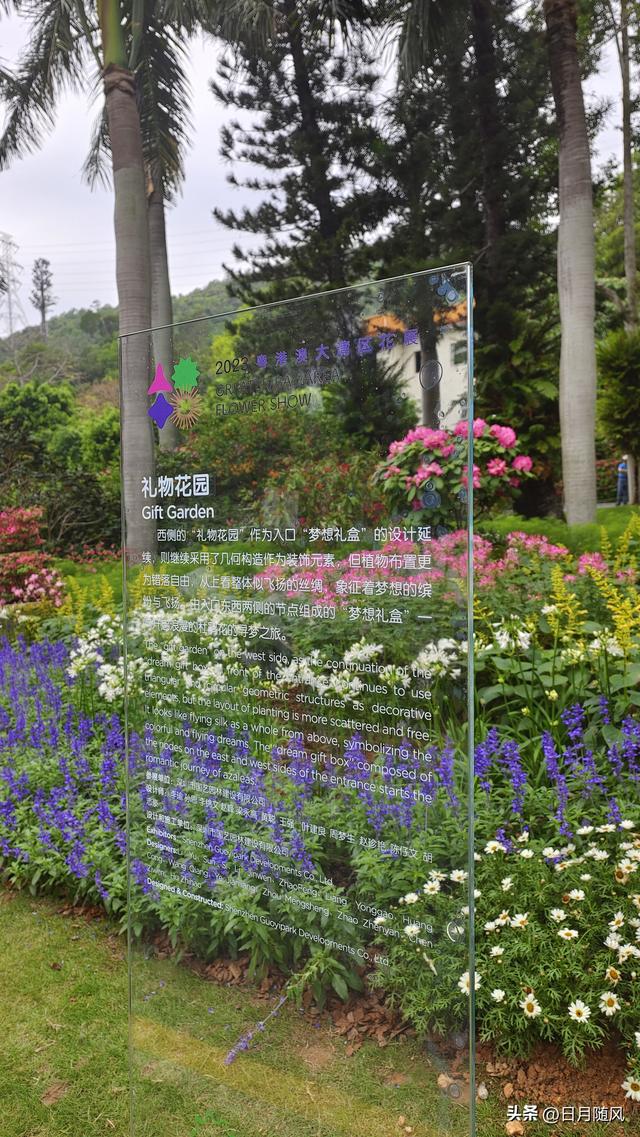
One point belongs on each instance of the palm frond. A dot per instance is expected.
(51, 63)
(423, 28)
(96, 167)
(163, 100)
(164, 97)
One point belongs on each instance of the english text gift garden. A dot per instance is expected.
(261, 828)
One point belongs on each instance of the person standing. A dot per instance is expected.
(622, 492)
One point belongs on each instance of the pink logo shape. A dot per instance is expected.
(160, 383)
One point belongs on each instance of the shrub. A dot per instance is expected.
(20, 529)
(426, 471)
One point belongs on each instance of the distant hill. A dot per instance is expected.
(82, 344)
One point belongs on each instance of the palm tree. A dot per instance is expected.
(576, 267)
(64, 37)
(163, 101)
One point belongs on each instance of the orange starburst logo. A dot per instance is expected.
(187, 406)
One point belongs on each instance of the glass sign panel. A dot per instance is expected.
(296, 532)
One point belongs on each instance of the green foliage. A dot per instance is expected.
(527, 976)
(369, 408)
(53, 457)
(313, 120)
(577, 538)
(619, 395)
(609, 225)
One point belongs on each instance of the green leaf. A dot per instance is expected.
(612, 736)
(340, 987)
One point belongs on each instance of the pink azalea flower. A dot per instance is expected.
(497, 467)
(476, 477)
(504, 435)
(522, 463)
(479, 427)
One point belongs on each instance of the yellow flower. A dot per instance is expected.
(552, 694)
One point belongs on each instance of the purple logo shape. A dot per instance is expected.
(160, 411)
(160, 383)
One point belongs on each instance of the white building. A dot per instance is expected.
(451, 348)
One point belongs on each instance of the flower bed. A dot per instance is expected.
(557, 772)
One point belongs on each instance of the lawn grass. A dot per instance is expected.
(577, 538)
(63, 994)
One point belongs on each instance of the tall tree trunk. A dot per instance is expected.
(627, 158)
(630, 266)
(161, 305)
(132, 274)
(490, 130)
(576, 268)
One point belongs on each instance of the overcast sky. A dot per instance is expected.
(50, 212)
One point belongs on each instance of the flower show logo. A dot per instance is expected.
(177, 400)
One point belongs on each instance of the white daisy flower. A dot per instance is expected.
(411, 898)
(431, 887)
(498, 994)
(617, 921)
(458, 876)
(506, 883)
(579, 1011)
(464, 982)
(626, 951)
(412, 930)
(527, 854)
(609, 1003)
(632, 1087)
(380, 920)
(531, 1007)
(613, 975)
(558, 915)
(576, 894)
(584, 830)
(568, 934)
(520, 920)
(496, 951)
(495, 847)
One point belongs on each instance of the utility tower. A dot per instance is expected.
(11, 310)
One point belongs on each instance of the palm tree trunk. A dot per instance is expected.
(132, 274)
(161, 305)
(576, 268)
(630, 267)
